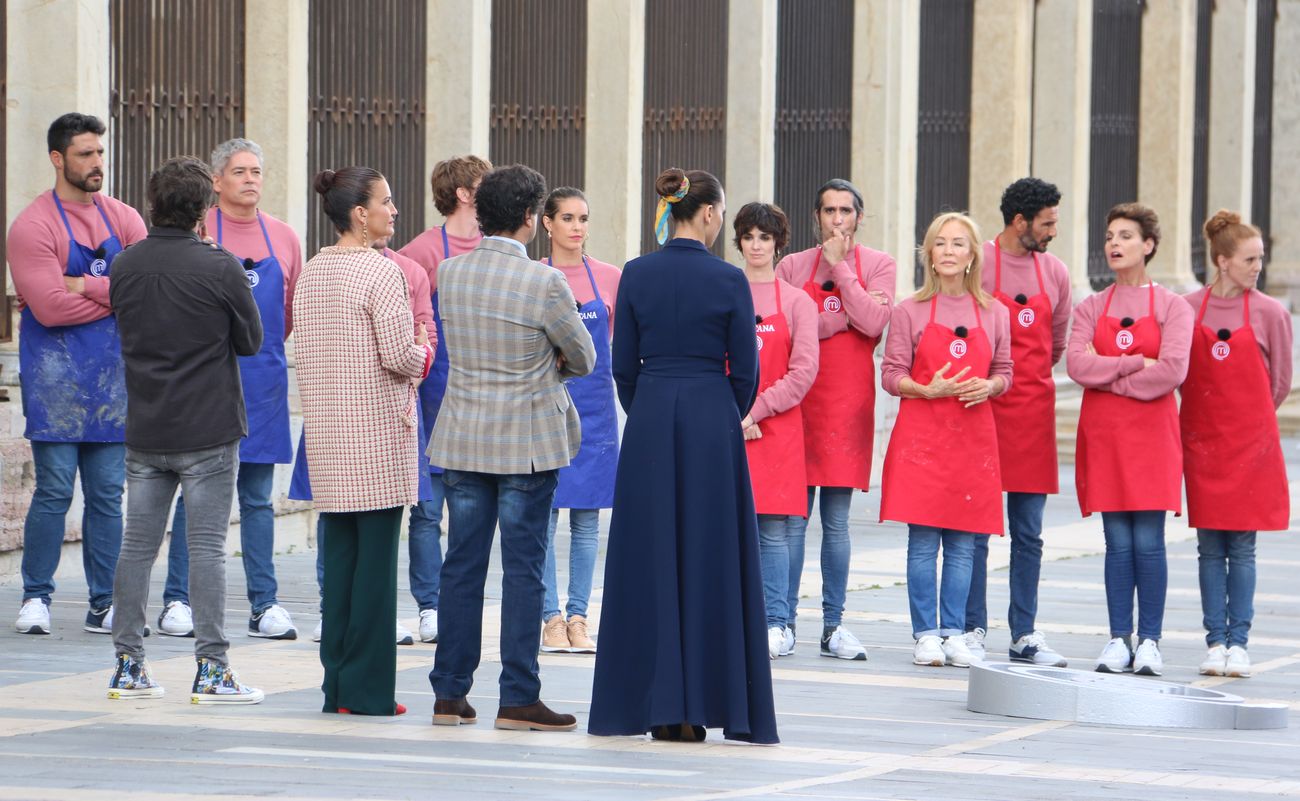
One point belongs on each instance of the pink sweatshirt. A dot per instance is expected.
(38, 256)
(417, 284)
(801, 315)
(859, 309)
(1271, 324)
(244, 240)
(426, 250)
(606, 275)
(1018, 278)
(1125, 375)
(908, 322)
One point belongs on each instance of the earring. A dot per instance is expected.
(968, 267)
(365, 233)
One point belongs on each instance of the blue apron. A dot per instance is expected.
(73, 379)
(588, 482)
(265, 374)
(434, 385)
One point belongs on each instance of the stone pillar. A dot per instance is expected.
(1062, 121)
(458, 89)
(1165, 125)
(1232, 106)
(1284, 254)
(886, 77)
(751, 105)
(615, 122)
(275, 103)
(1002, 94)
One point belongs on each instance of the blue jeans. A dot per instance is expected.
(424, 541)
(1025, 521)
(774, 558)
(938, 609)
(1135, 560)
(835, 552)
(103, 475)
(476, 503)
(584, 534)
(253, 485)
(1227, 572)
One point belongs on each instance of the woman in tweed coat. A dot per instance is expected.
(358, 369)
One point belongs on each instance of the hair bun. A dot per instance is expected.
(670, 182)
(1221, 220)
(324, 181)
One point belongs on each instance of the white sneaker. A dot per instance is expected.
(315, 635)
(928, 651)
(841, 644)
(955, 652)
(1216, 661)
(274, 624)
(775, 637)
(404, 636)
(33, 617)
(1238, 663)
(1115, 657)
(1033, 648)
(428, 625)
(975, 644)
(787, 641)
(1147, 660)
(176, 620)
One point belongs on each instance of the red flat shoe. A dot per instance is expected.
(400, 710)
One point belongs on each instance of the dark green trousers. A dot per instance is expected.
(357, 648)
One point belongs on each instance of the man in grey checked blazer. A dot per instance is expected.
(506, 426)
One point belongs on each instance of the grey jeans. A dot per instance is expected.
(207, 477)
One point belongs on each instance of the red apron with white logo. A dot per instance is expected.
(1026, 413)
(941, 467)
(776, 460)
(1129, 455)
(839, 411)
(1236, 475)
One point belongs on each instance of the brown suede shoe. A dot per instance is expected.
(534, 717)
(453, 712)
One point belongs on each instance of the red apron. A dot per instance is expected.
(839, 410)
(776, 460)
(1026, 414)
(1236, 476)
(1128, 456)
(941, 467)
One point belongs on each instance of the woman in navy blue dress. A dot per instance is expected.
(683, 638)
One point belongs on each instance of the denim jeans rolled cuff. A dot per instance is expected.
(424, 545)
(103, 473)
(774, 560)
(1226, 572)
(938, 604)
(584, 541)
(1135, 564)
(835, 552)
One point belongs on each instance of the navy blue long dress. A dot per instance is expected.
(683, 635)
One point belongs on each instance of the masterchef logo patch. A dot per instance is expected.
(1026, 317)
(1220, 350)
(957, 348)
(1124, 339)
(253, 278)
(760, 342)
(832, 304)
(98, 267)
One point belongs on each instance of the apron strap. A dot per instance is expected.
(446, 244)
(1245, 309)
(266, 236)
(1151, 298)
(1038, 273)
(777, 283)
(934, 300)
(594, 289)
(1205, 302)
(1109, 295)
(997, 265)
(67, 226)
(979, 321)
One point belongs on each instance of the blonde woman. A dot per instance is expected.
(948, 352)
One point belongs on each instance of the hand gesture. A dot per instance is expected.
(879, 297)
(941, 386)
(750, 428)
(837, 246)
(974, 391)
(422, 335)
(76, 284)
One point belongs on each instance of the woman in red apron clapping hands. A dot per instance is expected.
(948, 351)
(1240, 372)
(1128, 350)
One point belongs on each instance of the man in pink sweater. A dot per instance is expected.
(61, 251)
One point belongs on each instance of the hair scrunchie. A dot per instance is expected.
(661, 213)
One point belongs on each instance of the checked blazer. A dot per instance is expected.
(505, 319)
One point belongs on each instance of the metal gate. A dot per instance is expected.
(177, 85)
(1201, 136)
(814, 106)
(943, 111)
(539, 90)
(366, 84)
(1113, 148)
(685, 97)
(1261, 200)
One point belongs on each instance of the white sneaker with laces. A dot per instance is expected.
(841, 644)
(33, 617)
(775, 637)
(975, 643)
(928, 651)
(274, 624)
(955, 652)
(1115, 657)
(404, 636)
(1216, 661)
(1238, 663)
(428, 625)
(176, 620)
(1147, 660)
(787, 641)
(315, 635)
(1033, 648)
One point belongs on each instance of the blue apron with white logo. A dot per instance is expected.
(588, 481)
(265, 374)
(73, 379)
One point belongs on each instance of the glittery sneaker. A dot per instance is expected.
(215, 683)
(131, 679)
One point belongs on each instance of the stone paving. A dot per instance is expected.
(883, 729)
